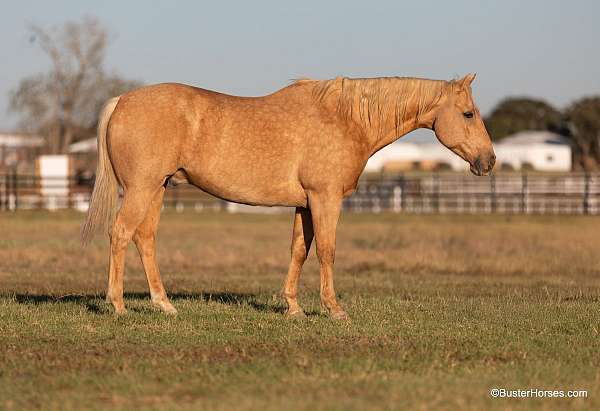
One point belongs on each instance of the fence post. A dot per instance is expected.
(403, 191)
(70, 187)
(3, 193)
(397, 199)
(586, 194)
(375, 205)
(493, 193)
(436, 192)
(9, 191)
(15, 188)
(524, 193)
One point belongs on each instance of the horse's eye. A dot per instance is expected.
(468, 114)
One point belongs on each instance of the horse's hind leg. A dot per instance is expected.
(302, 237)
(131, 214)
(145, 241)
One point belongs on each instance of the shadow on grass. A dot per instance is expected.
(94, 302)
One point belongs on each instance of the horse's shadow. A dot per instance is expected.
(94, 303)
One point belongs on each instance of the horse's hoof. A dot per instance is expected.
(340, 316)
(165, 307)
(169, 309)
(120, 311)
(297, 314)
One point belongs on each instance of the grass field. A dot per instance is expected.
(443, 309)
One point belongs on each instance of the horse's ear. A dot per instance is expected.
(467, 80)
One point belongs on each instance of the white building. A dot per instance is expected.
(537, 150)
(403, 156)
(17, 147)
(89, 145)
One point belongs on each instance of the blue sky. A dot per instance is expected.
(546, 49)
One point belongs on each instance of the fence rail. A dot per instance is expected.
(572, 193)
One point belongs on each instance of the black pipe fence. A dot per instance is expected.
(533, 193)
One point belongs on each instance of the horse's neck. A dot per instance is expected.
(378, 141)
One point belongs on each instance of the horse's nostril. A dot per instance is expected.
(478, 165)
(492, 161)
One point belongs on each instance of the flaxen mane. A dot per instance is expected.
(376, 98)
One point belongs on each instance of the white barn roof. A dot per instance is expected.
(534, 137)
(15, 140)
(89, 145)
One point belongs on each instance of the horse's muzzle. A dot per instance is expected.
(483, 166)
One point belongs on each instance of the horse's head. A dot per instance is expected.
(458, 126)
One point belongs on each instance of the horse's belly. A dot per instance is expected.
(247, 187)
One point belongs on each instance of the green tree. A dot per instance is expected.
(516, 114)
(63, 104)
(583, 119)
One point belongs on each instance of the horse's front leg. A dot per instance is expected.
(325, 210)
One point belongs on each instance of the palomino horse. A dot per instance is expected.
(303, 146)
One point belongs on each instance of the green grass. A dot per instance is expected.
(443, 309)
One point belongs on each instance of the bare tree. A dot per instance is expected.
(63, 103)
